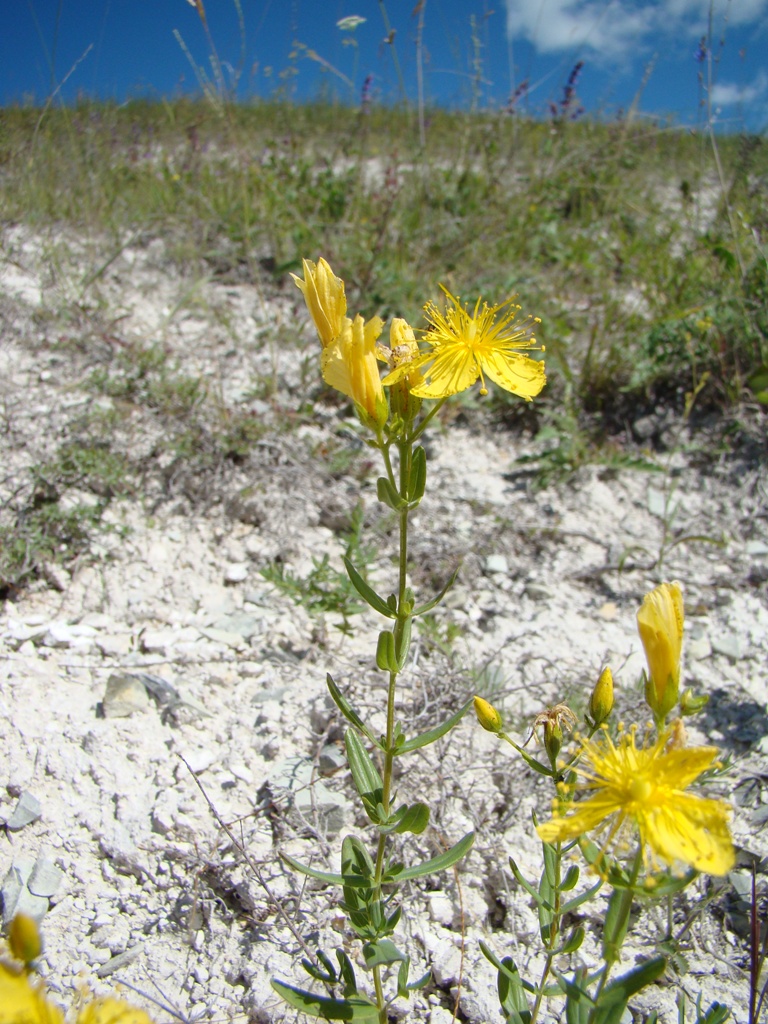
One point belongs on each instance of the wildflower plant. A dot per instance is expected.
(457, 348)
(623, 801)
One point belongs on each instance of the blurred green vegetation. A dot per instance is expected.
(646, 266)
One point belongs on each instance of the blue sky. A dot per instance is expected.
(472, 50)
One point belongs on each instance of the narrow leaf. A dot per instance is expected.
(304, 869)
(349, 712)
(355, 1009)
(365, 591)
(364, 773)
(417, 478)
(436, 864)
(436, 600)
(402, 642)
(425, 738)
(614, 998)
(582, 898)
(522, 880)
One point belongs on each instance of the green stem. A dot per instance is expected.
(620, 929)
(405, 450)
(424, 423)
(554, 933)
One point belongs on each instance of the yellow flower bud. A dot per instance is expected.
(24, 938)
(325, 298)
(660, 624)
(112, 1011)
(487, 715)
(404, 372)
(349, 365)
(601, 701)
(553, 739)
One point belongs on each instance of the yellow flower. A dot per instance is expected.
(487, 715)
(112, 1011)
(349, 365)
(660, 624)
(646, 787)
(22, 1001)
(325, 298)
(467, 345)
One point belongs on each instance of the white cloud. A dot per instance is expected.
(726, 94)
(615, 27)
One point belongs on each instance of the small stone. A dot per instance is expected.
(657, 502)
(730, 645)
(756, 548)
(200, 759)
(61, 634)
(496, 564)
(45, 878)
(698, 648)
(114, 646)
(609, 611)
(440, 908)
(241, 622)
(236, 572)
(124, 695)
(26, 811)
(537, 592)
(225, 637)
(331, 760)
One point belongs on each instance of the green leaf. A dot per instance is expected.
(366, 592)
(383, 951)
(413, 819)
(435, 864)
(616, 923)
(511, 993)
(328, 976)
(571, 878)
(522, 880)
(574, 941)
(578, 1003)
(576, 902)
(304, 869)
(385, 652)
(417, 478)
(387, 494)
(614, 997)
(364, 773)
(425, 738)
(436, 600)
(349, 712)
(402, 640)
(347, 972)
(355, 1009)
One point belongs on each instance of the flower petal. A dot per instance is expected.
(453, 369)
(691, 829)
(519, 374)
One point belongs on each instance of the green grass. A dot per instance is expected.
(646, 274)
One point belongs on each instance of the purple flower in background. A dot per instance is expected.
(518, 94)
(365, 94)
(701, 53)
